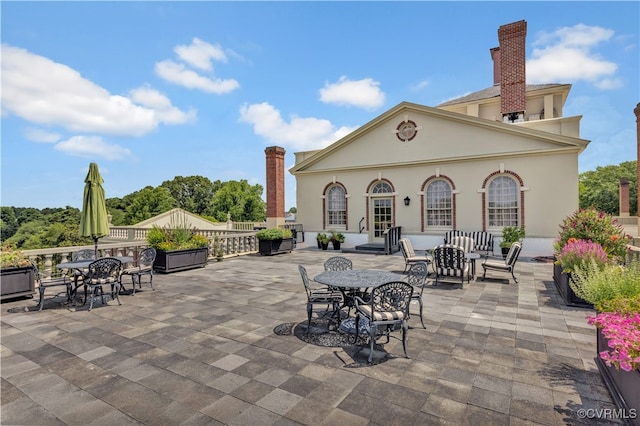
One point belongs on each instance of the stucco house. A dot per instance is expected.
(501, 156)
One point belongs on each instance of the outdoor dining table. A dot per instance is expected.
(80, 265)
(355, 282)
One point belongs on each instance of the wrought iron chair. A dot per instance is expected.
(84, 254)
(145, 267)
(338, 263)
(506, 265)
(483, 242)
(102, 272)
(409, 254)
(44, 284)
(387, 308)
(417, 278)
(318, 296)
(450, 261)
(450, 234)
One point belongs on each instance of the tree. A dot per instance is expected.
(192, 193)
(8, 223)
(600, 188)
(293, 210)
(242, 200)
(149, 202)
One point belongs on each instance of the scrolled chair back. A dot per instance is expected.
(147, 257)
(338, 263)
(104, 268)
(85, 254)
(393, 296)
(417, 275)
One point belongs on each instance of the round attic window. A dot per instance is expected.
(406, 130)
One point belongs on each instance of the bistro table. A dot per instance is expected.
(80, 265)
(354, 282)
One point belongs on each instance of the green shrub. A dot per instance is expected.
(12, 258)
(273, 234)
(177, 235)
(604, 286)
(510, 235)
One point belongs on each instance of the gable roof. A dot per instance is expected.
(494, 92)
(181, 216)
(546, 141)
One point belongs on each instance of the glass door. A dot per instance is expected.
(381, 217)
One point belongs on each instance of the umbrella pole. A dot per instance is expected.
(95, 240)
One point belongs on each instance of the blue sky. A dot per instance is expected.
(153, 90)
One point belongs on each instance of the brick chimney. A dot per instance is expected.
(495, 57)
(624, 197)
(275, 186)
(512, 72)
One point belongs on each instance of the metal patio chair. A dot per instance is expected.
(144, 267)
(105, 271)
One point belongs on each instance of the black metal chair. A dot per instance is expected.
(417, 278)
(450, 261)
(388, 307)
(76, 256)
(144, 267)
(338, 263)
(44, 284)
(105, 271)
(506, 265)
(317, 296)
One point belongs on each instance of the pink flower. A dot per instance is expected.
(623, 335)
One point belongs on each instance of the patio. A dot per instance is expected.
(218, 345)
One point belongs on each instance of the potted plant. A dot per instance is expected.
(510, 235)
(336, 239)
(17, 274)
(581, 230)
(323, 240)
(178, 247)
(274, 241)
(614, 290)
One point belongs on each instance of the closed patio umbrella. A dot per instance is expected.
(93, 221)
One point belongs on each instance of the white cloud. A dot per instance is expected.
(177, 73)
(165, 112)
(363, 93)
(41, 136)
(300, 134)
(200, 54)
(568, 55)
(92, 147)
(420, 85)
(42, 91)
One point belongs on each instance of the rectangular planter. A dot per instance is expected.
(17, 282)
(561, 280)
(271, 247)
(179, 260)
(624, 386)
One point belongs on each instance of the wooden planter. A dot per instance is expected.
(17, 282)
(179, 260)
(271, 247)
(561, 279)
(624, 386)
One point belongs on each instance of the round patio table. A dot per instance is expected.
(355, 282)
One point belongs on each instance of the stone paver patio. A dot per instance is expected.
(211, 346)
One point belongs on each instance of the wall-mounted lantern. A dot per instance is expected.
(407, 200)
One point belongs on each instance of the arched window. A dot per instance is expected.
(336, 206)
(438, 204)
(503, 202)
(381, 188)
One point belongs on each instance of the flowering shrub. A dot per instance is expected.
(10, 257)
(177, 235)
(577, 253)
(607, 284)
(595, 226)
(623, 334)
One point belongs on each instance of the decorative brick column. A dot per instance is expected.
(275, 186)
(513, 81)
(624, 197)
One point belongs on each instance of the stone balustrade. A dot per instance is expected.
(229, 242)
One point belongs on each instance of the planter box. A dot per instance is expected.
(179, 260)
(271, 247)
(624, 386)
(561, 279)
(17, 282)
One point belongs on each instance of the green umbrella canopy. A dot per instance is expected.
(93, 221)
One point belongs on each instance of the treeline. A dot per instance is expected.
(30, 228)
